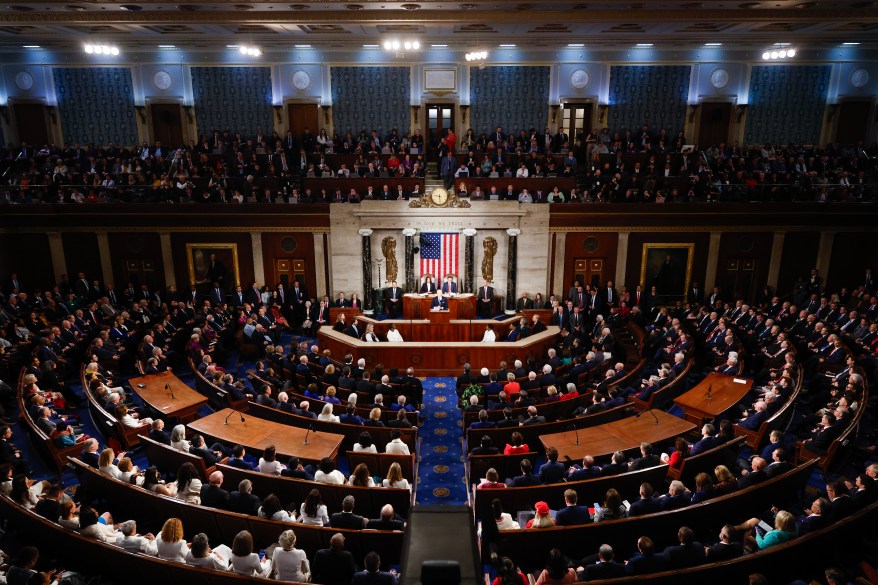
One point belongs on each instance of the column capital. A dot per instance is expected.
(513, 232)
(365, 232)
(407, 232)
(470, 232)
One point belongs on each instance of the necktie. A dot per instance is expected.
(486, 293)
(580, 299)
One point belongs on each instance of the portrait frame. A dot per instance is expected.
(197, 256)
(675, 281)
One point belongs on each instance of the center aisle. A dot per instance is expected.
(440, 472)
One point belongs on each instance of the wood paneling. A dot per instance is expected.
(585, 245)
(82, 255)
(852, 253)
(28, 256)
(167, 124)
(748, 248)
(32, 125)
(139, 247)
(181, 265)
(798, 258)
(853, 122)
(278, 246)
(635, 253)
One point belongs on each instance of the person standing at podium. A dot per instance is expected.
(450, 287)
(393, 298)
(486, 300)
(428, 287)
(440, 303)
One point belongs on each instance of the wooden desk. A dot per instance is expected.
(185, 402)
(255, 434)
(724, 394)
(349, 314)
(415, 306)
(622, 435)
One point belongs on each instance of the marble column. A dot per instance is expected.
(168, 259)
(56, 252)
(511, 268)
(258, 263)
(409, 234)
(469, 261)
(712, 261)
(824, 253)
(366, 235)
(776, 255)
(622, 261)
(104, 253)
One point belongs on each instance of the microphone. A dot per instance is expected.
(171, 390)
(650, 412)
(576, 430)
(709, 390)
(310, 428)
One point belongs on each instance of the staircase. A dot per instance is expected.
(432, 180)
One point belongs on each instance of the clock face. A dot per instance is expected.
(162, 80)
(860, 77)
(24, 80)
(579, 78)
(301, 80)
(439, 196)
(719, 78)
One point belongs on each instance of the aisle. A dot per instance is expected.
(440, 471)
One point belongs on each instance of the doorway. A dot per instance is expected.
(289, 270)
(301, 116)
(31, 122)
(576, 119)
(740, 279)
(853, 117)
(167, 124)
(440, 117)
(590, 271)
(716, 118)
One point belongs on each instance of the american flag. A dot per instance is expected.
(439, 255)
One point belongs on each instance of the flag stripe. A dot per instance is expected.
(440, 255)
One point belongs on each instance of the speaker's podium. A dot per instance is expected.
(441, 547)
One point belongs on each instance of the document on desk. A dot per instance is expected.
(739, 381)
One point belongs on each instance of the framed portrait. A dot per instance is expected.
(209, 263)
(667, 267)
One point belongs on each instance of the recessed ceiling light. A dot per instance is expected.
(643, 45)
(371, 46)
(167, 46)
(232, 46)
(30, 46)
(850, 44)
(508, 46)
(713, 44)
(438, 46)
(302, 46)
(575, 45)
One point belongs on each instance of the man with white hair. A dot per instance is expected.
(401, 404)
(473, 405)
(519, 370)
(548, 378)
(484, 376)
(283, 402)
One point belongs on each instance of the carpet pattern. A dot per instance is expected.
(441, 477)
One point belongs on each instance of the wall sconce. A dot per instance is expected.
(278, 113)
(555, 109)
(463, 112)
(415, 111)
(692, 111)
(740, 109)
(602, 112)
(141, 113)
(325, 113)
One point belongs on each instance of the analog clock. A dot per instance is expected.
(719, 78)
(162, 80)
(301, 80)
(579, 78)
(439, 197)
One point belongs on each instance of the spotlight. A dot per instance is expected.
(89, 49)
(791, 53)
(388, 45)
(395, 45)
(766, 55)
(243, 50)
(416, 45)
(774, 54)
(114, 51)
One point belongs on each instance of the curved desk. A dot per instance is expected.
(445, 355)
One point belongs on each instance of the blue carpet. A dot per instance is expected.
(441, 477)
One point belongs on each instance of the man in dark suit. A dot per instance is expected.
(605, 568)
(755, 475)
(333, 565)
(237, 299)
(486, 447)
(253, 296)
(393, 300)
(572, 515)
(819, 516)
(779, 463)
(295, 469)
(298, 296)
(346, 518)
(647, 458)
(727, 548)
(533, 416)
(243, 501)
(440, 303)
(211, 456)
(609, 295)
(552, 471)
(158, 433)
(353, 330)
(646, 504)
(645, 561)
(387, 521)
(708, 440)
(688, 553)
(527, 478)
(212, 494)
(486, 300)
(449, 286)
(587, 471)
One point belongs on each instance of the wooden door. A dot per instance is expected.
(740, 279)
(853, 122)
(301, 116)
(590, 271)
(138, 271)
(716, 118)
(287, 271)
(167, 124)
(440, 117)
(576, 120)
(32, 125)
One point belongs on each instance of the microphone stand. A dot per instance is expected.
(171, 390)
(575, 430)
(233, 411)
(310, 428)
(650, 412)
(709, 390)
